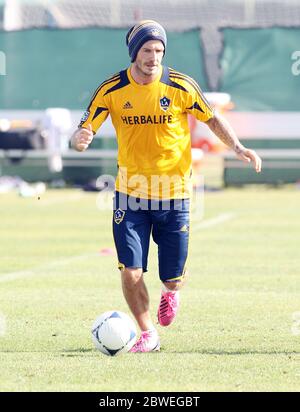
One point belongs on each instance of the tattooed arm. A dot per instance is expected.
(222, 129)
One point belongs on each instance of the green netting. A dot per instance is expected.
(185, 54)
(62, 68)
(257, 69)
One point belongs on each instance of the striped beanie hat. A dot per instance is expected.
(141, 33)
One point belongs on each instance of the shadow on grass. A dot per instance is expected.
(165, 351)
(76, 352)
(233, 352)
(83, 351)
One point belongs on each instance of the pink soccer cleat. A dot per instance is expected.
(148, 342)
(168, 307)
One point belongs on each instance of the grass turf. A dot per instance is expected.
(237, 328)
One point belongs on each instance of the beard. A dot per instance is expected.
(147, 69)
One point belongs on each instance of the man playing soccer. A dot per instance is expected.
(149, 106)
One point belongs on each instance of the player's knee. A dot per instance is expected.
(130, 276)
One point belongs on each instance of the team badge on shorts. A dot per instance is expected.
(164, 103)
(119, 216)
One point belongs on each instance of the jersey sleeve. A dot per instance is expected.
(96, 113)
(197, 105)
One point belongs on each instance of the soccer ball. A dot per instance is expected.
(114, 333)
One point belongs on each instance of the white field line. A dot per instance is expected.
(11, 276)
(224, 217)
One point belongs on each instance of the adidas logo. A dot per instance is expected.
(184, 228)
(127, 105)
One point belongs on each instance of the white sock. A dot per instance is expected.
(151, 330)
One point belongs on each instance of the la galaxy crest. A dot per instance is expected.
(119, 216)
(164, 103)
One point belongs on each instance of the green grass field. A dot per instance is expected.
(238, 328)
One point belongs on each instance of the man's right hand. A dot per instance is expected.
(82, 138)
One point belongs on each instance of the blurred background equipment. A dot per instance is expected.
(57, 125)
(243, 53)
(24, 138)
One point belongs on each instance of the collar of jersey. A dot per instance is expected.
(149, 85)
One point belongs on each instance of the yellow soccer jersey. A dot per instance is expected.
(151, 123)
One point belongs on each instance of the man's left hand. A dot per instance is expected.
(248, 155)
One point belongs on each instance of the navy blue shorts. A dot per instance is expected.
(133, 222)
